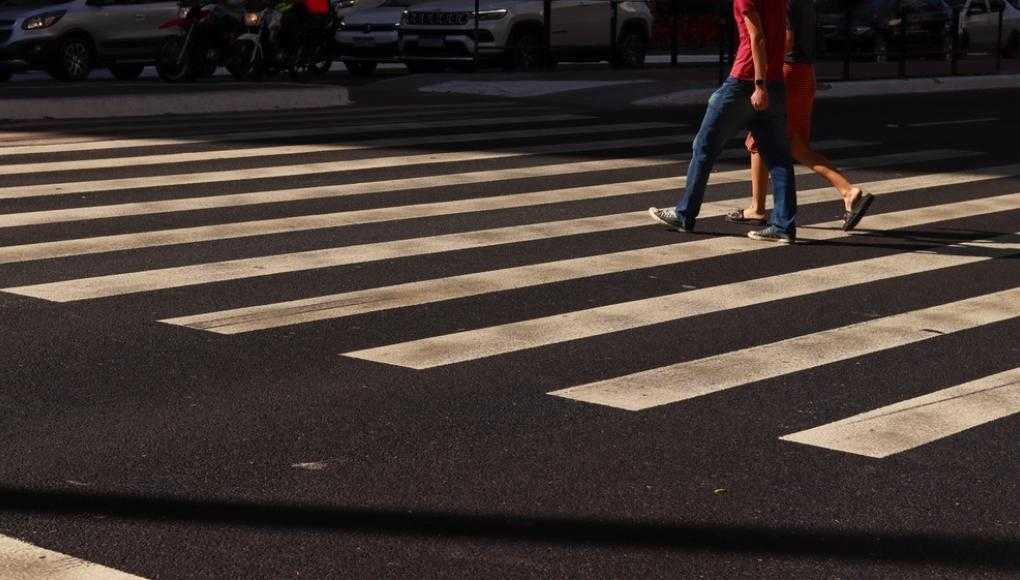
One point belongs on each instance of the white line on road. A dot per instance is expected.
(345, 166)
(352, 189)
(150, 280)
(23, 561)
(119, 242)
(903, 426)
(336, 129)
(281, 150)
(687, 380)
(538, 332)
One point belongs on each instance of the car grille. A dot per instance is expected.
(438, 18)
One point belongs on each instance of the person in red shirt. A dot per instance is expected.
(753, 97)
(799, 74)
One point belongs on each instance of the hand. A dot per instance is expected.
(760, 99)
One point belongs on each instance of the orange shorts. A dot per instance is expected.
(800, 102)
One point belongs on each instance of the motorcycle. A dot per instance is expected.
(285, 37)
(209, 30)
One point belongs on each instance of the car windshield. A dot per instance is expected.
(31, 3)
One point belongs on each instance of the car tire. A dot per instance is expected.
(244, 62)
(524, 51)
(127, 72)
(361, 68)
(631, 50)
(73, 60)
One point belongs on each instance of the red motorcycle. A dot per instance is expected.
(208, 31)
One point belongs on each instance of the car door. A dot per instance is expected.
(112, 24)
(566, 34)
(593, 24)
(980, 26)
(148, 33)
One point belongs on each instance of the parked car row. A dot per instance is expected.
(70, 38)
(882, 29)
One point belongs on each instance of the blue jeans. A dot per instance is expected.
(729, 111)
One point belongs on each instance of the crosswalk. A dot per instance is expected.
(474, 203)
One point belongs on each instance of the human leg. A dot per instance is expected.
(729, 110)
(769, 130)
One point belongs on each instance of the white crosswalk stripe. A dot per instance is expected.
(919, 421)
(562, 151)
(42, 251)
(683, 381)
(23, 561)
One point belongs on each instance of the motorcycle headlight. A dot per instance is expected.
(40, 21)
(493, 14)
(252, 18)
(183, 11)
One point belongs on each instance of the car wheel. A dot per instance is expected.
(243, 62)
(73, 60)
(361, 68)
(631, 50)
(524, 51)
(127, 72)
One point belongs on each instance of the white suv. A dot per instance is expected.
(442, 32)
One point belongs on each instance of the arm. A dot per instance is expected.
(756, 32)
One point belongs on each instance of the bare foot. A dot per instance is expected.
(850, 198)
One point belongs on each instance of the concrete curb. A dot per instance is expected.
(848, 89)
(261, 99)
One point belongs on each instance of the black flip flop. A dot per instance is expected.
(857, 211)
(738, 217)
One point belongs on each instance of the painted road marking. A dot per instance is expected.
(507, 338)
(345, 166)
(23, 561)
(155, 238)
(165, 278)
(903, 426)
(352, 189)
(687, 380)
(283, 150)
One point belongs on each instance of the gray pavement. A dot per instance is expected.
(442, 341)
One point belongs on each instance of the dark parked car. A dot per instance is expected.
(876, 28)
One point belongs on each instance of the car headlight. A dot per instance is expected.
(493, 14)
(40, 21)
(252, 18)
(893, 22)
(347, 3)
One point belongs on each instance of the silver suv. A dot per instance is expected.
(510, 31)
(69, 38)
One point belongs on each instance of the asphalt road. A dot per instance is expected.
(307, 440)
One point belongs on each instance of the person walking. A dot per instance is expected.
(799, 76)
(753, 97)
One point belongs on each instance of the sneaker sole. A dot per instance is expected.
(753, 236)
(670, 225)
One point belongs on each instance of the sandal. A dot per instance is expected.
(738, 217)
(857, 210)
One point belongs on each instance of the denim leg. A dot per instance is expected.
(769, 130)
(729, 110)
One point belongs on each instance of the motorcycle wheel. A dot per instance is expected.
(170, 66)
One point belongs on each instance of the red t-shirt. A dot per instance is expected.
(773, 19)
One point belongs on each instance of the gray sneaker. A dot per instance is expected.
(668, 216)
(771, 234)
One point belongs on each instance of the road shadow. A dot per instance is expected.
(964, 551)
